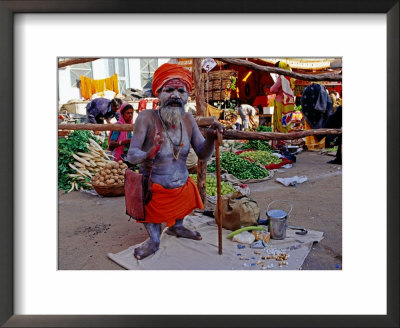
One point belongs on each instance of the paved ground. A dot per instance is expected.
(92, 226)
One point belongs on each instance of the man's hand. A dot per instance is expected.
(158, 141)
(212, 130)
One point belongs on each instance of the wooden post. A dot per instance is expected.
(96, 127)
(218, 142)
(330, 76)
(200, 111)
(204, 122)
(74, 61)
(249, 135)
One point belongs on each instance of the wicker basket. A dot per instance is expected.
(110, 191)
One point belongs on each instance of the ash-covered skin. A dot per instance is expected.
(167, 171)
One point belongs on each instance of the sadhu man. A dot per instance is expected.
(174, 193)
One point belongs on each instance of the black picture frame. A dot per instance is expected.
(7, 172)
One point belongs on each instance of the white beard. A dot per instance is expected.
(172, 115)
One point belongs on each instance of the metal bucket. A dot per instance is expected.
(277, 220)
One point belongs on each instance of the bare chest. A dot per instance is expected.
(176, 143)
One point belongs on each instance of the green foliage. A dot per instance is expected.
(74, 143)
(333, 149)
(263, 128)
(239, 167)
(257, 145)
(211, 185)
(105, 144)
(262, 157)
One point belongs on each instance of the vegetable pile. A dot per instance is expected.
(332, 149)
(239, 167)
(263, 128)
(211, 185)
(112, 174)
(262, 157)
(256, 145)
(79, 158)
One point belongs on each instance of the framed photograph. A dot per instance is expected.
(34, 292)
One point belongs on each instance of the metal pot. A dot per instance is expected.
(277, 220)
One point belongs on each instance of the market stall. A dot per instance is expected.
(84, 163)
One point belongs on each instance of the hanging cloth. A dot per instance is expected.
(90, 86)
(213, 111)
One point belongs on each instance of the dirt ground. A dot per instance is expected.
(90, 226)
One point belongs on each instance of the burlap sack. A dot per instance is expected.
(238, 211)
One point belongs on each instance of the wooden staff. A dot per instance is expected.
(218, 142)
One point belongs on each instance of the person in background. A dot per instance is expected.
(101, 109)
(234, 123)
(190, 107)
(335, 101)
(247, 114)
(119, 141)
(316, 106)
(335, 122)
(284, 103)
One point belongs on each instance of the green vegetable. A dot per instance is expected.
(256, 145)
(236, 232)
(262, 157)
(239, 167)
(263, 128)
(105, 143)
(333, 149)
(211, 185)
(74, 143)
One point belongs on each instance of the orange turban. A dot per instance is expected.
(168, 72)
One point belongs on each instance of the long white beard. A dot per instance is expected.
(172, 115)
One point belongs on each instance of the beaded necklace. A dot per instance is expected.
(171, 143)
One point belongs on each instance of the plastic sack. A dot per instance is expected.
(244, 237)
(292, 181)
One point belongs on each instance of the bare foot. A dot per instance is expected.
(181, 231)
(146, 249)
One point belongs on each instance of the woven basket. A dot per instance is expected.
(217, 75)
(214, 95)
(110, 191)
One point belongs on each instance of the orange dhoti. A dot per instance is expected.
(168, 205)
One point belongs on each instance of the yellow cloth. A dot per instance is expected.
(311, 141)
(281, 110)
(89, 86)
(213, 111)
